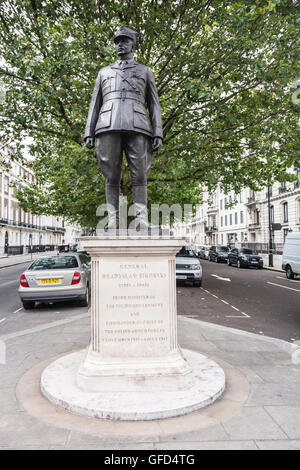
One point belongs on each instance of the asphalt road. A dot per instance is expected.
(258, 301)
(12, 316)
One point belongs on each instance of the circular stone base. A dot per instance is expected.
(58, 384)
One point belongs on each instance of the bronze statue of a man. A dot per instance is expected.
(119, 121)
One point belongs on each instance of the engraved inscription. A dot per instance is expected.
(134, 301)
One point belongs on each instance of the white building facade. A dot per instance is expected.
(22, 232)
(243, 219)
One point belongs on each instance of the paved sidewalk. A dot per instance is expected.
(260, 408)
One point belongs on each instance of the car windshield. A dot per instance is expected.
(54, 262)
(186, 252)
(246, 251)
(222, 248)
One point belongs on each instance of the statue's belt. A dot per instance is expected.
(123, 95)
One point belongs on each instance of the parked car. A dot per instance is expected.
(218, 254)
(291, 255)
(244, 257)
(204, 252)
(188, 267)
(197, 249)
(56, 278)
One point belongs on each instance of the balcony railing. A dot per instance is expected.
(254, 225)
(251, 200)
(211, 228)
(282, 190)
(297, 184)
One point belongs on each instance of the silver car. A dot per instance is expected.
(56, 278)
(188, 267)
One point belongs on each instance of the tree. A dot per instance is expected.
(223, 70)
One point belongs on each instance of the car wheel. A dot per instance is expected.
(85, 301)
(289, 273)
(28, 305)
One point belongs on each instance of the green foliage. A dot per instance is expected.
(223, 71)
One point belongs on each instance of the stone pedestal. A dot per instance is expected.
(134, 333)
(133, 368)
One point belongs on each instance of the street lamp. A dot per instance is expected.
(270, 230)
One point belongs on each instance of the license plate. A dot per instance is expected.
(49, 281)
(254, 262)
(181, 277)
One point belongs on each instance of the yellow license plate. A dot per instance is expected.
(49, 281)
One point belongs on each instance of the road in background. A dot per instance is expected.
(12, 316)
(259, 301)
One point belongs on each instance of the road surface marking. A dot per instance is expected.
(9, 282)
(221, 278)
(16, 311)
(46, 326)
(243, 314)
(284, 287)
(286, 279)
(3, 319)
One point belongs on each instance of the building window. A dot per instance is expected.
(242, 236)
(230, 218)
(282, 188)
(221, 204)
(236, 218)
(225, 220)
(285, 212)
(221, 221)
(242, 217)
(6, 185)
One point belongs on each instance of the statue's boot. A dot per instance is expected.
(139, 194)
(112, 199)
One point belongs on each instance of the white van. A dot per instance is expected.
(291, 255)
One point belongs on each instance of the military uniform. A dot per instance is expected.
(119, 120)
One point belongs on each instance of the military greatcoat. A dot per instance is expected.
(124, 99)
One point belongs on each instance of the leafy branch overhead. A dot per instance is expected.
(224, 72)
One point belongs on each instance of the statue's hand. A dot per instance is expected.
(157, 143)
(90, 142)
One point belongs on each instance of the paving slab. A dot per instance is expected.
(267, 394)
(288, 418)
(253, 423)
(278, 445)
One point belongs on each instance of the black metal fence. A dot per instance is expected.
(21, 249)
(277, 248)
(40, 248)
(14, 250)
